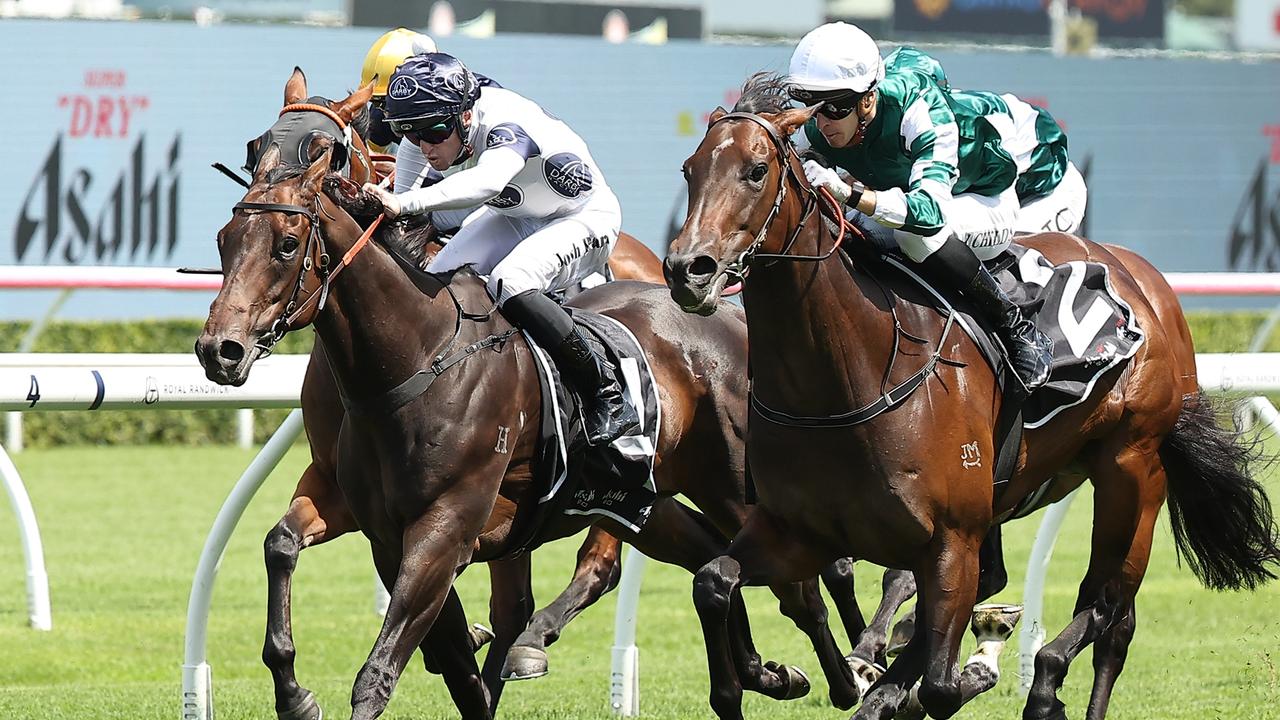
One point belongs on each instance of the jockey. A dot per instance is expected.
(384, 56)
(1051, 192)
(539, 215)
(935, 173)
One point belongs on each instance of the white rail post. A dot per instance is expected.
(244, 428)
(197, 676)
(38, 608)
(1032, 634)
(624, 676)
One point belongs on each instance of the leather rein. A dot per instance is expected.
(890, 397)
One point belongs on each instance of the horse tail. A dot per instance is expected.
(1222, 520)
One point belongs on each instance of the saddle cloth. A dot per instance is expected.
(1093, 329)
(615, 480)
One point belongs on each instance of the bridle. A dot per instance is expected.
(294, 310)
(739, 267)
(890, 397)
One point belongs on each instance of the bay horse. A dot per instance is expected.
(318, 511)
(824, 330)
(425, 482)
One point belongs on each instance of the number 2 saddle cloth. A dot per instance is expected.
(1093, 329)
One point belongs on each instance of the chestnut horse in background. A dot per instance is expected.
(825, 329)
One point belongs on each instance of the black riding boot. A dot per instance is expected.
(1030, 350)
(605, 413)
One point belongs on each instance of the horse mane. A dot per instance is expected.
(764, 92)
(409, 237)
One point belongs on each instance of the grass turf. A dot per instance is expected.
(123, 528)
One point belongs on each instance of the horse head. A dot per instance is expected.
(274, 263)
(738, 182)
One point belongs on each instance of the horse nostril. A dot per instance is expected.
(231, 350)
(702, 266)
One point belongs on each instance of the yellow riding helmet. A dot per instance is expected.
(388, 52)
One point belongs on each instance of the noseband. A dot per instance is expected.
(740, 266)
(293, 311)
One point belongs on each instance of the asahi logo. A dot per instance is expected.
(1254, 240)
(87, 214)
(135, 219)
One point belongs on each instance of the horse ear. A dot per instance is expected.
(788, 120)
(348, 108)
(270, 159)
(716, 114)
(295, 91)
(314, 176)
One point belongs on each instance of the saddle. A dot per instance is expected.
(615, 480)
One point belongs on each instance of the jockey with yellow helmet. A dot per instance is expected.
(933, 172)
(384, 56)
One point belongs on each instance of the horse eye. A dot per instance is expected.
(758, 172)
(289, 245)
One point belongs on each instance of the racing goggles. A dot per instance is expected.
(836, 105)
(432, 131)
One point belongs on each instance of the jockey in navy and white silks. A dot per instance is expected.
(535, 212)
(931, 173)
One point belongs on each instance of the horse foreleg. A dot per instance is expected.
(510, 604)
(450, 643)
(434, 547)
(762, 553)
(948, 589)
(597, 572)
(896, 587)
(802, 604)
(317, 513)
(838, 577)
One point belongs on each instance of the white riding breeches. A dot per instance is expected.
(985, 224)
(1061, 210)
(543, 254)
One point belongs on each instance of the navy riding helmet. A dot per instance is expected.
(431, 85)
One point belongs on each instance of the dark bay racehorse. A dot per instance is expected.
(824, 329)
(428, 483)
(319, 512)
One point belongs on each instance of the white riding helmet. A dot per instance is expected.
(834, 57)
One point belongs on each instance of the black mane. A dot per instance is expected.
(764, 92)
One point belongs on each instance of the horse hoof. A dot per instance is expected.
(865, 673)
(995, 622)
(911, 709)
(480, 636)
(306, 709)
(797, 682)
(524, 663)
(901, 635)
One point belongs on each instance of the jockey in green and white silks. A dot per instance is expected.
(1051, 191)
(934, 171)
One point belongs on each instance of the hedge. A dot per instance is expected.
(1213, 332)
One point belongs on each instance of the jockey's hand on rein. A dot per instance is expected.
(390, 203)
(828, 178)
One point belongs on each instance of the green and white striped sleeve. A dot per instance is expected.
(929, 133)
